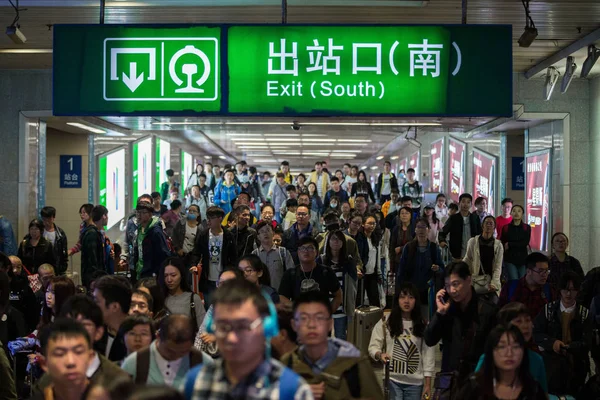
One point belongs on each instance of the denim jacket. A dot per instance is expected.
(8, 243)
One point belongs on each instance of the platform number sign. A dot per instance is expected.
(70, 172)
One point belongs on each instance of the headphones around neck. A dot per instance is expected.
(269, 323)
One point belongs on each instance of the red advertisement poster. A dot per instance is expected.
(537, 186)
(484, 178)
(414, 162)
(456, 152)
(436, 176)
(403, 164)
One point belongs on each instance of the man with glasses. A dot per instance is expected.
(150, 247)
(215, 250)
(310, 276)
(315, 221)
(333, 367)
(532, 289)
(301, 229)
(243, 325)
(462, 321)
(170, 357)
(563, 330)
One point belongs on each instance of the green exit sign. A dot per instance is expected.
(283, 70)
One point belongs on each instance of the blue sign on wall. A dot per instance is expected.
(518, 173)
(70, 172)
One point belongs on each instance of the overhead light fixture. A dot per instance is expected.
(374, 167)
(569, 74)
(394, 158)
(364, 167)
(354, 140)
(243, 134)
(222, 157)
(552, 76)
(288, 123)
(588, 64)
(25, 51)
(339, 155)
(380, 157)
(85, 127)
(530, 32)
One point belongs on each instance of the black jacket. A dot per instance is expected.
(32, 257)
(245, 241)
(566, 373)
(362, 188)
(452, 328)
(60, 251)
(23, 299)
(92, 255)
(202, 252)
(454, 228)
(155, 250)
(379, 185)
(472, 390)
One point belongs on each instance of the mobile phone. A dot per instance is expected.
(445, 298)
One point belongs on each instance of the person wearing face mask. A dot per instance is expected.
(199, 199)
(185, 233)
(562, 330)
(515, 238)
(336, 193)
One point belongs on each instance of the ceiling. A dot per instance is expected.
(265, 143)
(559, 22)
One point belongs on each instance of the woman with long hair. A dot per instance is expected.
(59, 289)
(179, 299)
(435, 225)
(505, 373)
(399, 341)
(484, 257)
(315, 200)
(515, 238)
(372, 268)
(34, 249)
(256, 271)
(344, 266)
(401, 234)
(362, 186)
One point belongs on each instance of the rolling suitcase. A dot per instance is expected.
(365, 318)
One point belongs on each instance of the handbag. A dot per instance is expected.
(481, 283)
(445, 386)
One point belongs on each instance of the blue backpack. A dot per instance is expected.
(288, 383)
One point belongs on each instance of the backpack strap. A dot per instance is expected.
(190, 380)
(195, 358)
(288, 384)
(193, 313)
(548, 292)
(142, 366)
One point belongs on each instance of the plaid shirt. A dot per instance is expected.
(534, 300)
(262, 384)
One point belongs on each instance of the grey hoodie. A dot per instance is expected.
(335, 348)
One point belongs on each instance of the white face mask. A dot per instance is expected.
(333, 205)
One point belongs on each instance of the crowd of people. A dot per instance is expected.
(248, 287)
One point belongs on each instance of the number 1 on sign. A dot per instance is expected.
(70, 161)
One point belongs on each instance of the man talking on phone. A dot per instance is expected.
(462, 320)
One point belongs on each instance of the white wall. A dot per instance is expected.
(594, 175)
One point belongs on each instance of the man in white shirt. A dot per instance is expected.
(169, 357)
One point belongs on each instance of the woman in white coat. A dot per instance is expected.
(484, 256)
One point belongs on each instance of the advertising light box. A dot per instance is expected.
(142, 171)
(537, 186)
(414, 162)
(187, 168)
(111, 188)
(436, 174)
(283, 70)
(456, 154)
(403, 165)
(484, 178)
(163, 161)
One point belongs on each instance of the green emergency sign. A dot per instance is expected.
(283, 70)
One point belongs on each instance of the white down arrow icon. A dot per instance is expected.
(133, 81)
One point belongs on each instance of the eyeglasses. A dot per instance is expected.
(306, 249)
(541, 271)
(371, 223)
(504, 349)
(222, 328)
(301, 214)
(319, 319)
